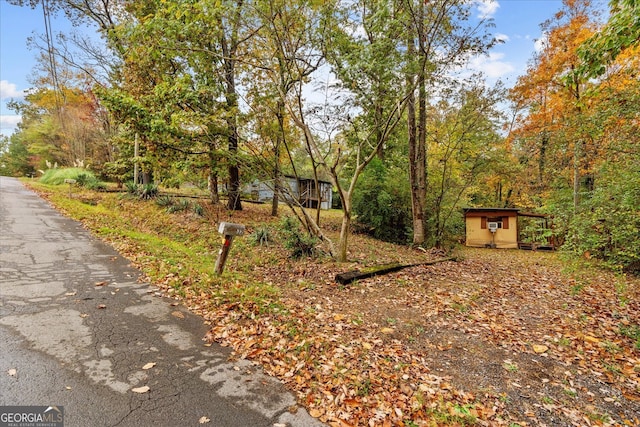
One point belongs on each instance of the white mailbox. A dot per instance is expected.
(231, 229)
(493, 226)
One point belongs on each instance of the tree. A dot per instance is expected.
(465, 147)
(589, 146)
(438, 40)
(621, 32)
(62, 126)
(367, 67)
(284, 54)
(554, 126)
(15, 159)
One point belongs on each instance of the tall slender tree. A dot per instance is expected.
(439, 38)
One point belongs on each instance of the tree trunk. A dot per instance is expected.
(276, 180)
(576, 175)
(416, 170)
(344, 235)
(280, 140)
(212, 183)
(234, 172)
(229, 48)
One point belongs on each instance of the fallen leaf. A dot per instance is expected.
(101, 283)
(142, 389)
(101, 306)
(591, 339)
(70, 294)
(315, 413)
(386, 330)
(177, 314)
(539, 348)
(204, 420)
(367, 346)
(83, 315)
(149, 365)
(12, 372)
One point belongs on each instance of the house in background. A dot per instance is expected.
(491, 227)
(301, 189)
(499, 228)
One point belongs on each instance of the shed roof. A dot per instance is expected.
(490, 210)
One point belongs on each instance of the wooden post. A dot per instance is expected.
(70, 182)
(229, 230)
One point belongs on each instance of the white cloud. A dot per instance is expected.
(9, 121)
(492, 66)
(8, 124)
(540, 43)
(502, 37)
(487, 8)
(9, 90)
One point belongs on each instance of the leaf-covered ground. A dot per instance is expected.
(497, 337)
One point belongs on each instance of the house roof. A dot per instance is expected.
(516, 210)
(301, 178)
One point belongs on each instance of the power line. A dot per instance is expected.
(52, 60)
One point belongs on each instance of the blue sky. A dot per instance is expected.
(517, 22)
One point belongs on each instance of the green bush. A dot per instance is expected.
(144, 191)
(58, 175)
(298, 243)
(198, 209)
(382, 204)
(607, 227)
(149, 191)
(83, 178)
(261, 236)
(132, 188)
(180, 206)
(164, 201)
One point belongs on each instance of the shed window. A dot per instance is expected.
(503, 222)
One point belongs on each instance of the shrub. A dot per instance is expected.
(180, 206)
(132, 188)
(607, 225)
(261, 236)
(382, 204)
(58, 175)
(83, 178)
(149, 191)
(298, 243)
(198, 209)
(164, 201)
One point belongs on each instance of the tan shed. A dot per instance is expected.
(491, 227)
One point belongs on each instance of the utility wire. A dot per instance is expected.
(52, 60)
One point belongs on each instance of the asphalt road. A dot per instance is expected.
(66, 341)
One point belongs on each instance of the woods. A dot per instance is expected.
(371, 96)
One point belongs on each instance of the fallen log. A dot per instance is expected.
(350, 276)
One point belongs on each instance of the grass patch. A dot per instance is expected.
(172, 254)
(632, 332)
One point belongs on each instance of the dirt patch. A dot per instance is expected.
(535, 345)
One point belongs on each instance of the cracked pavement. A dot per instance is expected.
(77, 329)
